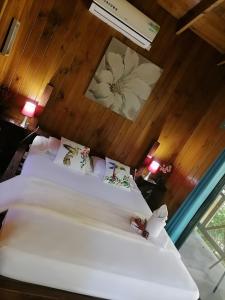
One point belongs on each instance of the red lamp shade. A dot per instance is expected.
(154, 166)
(29, 108)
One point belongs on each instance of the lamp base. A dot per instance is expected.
(25, 122)
(147, 176)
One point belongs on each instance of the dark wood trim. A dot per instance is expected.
(195, 13)
(14, 289)
(221, 63)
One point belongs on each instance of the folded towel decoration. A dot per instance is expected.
(157, 221)
(153, 226)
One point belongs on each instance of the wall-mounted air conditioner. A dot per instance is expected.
(127, 19)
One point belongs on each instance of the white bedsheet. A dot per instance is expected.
(46, 194)
(59, 238)
(71, 231)
(42, 166)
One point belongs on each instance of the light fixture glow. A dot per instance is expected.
(29, 109)
(154, 166)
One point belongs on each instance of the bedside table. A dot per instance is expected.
(152, 192)
(10, 136)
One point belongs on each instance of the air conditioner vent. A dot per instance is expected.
(128, 20)
(111, 5)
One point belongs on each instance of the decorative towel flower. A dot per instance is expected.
(123, 84)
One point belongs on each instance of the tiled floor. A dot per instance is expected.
(198, 257)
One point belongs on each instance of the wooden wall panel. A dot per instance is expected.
(13, 9)
(63, 44)
(198, 153)
(210, 26)
(178, 8)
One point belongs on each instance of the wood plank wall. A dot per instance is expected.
(210, 26)
(199, 151)
(62, 43)
(178, 8)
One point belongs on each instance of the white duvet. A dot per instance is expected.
(39, 193)
(61, 238)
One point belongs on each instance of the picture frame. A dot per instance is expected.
(123, 81)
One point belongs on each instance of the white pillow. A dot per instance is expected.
(98, 166)
(39, 145)
(53, 145)
(73, 156)
(117, 174)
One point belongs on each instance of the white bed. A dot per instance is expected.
(42, 166)
(71, 231)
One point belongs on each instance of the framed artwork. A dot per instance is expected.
(123, 80)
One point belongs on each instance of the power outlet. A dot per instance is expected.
(222, 125)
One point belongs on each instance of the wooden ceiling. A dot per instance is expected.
(205, 17)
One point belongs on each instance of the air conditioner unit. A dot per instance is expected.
(127, 19)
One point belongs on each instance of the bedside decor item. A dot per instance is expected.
(152, 168)
(138, 225)
(166, 168)
(123, 81)
(28, 111)
(157, 221)
(10, 37)
(141, 170)
(152, 227)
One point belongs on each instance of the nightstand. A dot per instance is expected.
(153, 192)
(11, 135)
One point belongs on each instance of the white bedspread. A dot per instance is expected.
(41, 193)
(64, 239)
(44, 194)
(42, 166)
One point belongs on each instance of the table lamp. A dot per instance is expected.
(28, 111)
(153, 167)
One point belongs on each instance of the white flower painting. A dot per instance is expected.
(123, 81)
